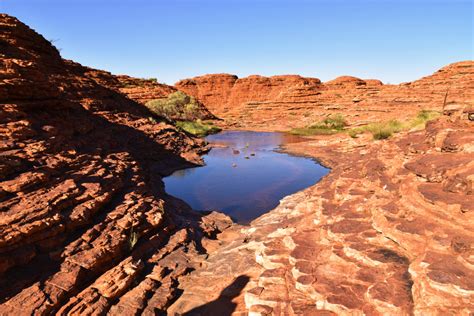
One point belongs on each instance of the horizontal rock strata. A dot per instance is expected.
(285, 102)
(85, 225)
(87, 229)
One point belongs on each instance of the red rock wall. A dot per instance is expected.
(86, 227)
(83, 214)
(284, 102)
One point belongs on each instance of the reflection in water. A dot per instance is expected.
(244, 176)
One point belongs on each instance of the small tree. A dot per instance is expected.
(177, 106)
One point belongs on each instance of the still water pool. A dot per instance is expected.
(244, 176)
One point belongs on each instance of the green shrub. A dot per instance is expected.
(383, 130)
(353, 133)
(332, 124)
(335, 121)
(422, 118)
(177, 106)
(379, 130)
(308, 131)
(198, 128)
(382, 134)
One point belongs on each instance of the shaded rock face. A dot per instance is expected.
(85, 225)
(138, 89)
(142, 90)
(284, 102)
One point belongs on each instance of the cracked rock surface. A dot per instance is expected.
(87, 229)
(85, 224)
(387, 231)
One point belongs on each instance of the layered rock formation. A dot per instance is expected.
(85, 225)
(140, 90)
(387, 232)
(285, 102)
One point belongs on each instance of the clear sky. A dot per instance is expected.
(392, 40)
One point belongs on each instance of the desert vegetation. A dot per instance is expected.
(139, 82)
(185, 110)
(198, 128)
(336, 123)
(330, 125)
(177, 106)
(383, 130)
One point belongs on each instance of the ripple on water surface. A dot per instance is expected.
(244, 175)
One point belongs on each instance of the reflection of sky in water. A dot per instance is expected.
(251, 188)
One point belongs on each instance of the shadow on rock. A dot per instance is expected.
(223, 305)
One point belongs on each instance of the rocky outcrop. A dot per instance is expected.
(140, 90)
(285, 102)
(86, 227)
(145, 90)
(388, 231)
(85, 224)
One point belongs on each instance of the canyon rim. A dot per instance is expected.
(87, 227)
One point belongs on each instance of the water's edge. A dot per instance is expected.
(246, 175)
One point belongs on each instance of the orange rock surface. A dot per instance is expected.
(285, 102)
(87, 229)
(84, 217)
(388, 231)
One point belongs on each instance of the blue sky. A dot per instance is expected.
(394, 41)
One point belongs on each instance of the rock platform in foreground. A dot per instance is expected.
(86, 227)
(387, 231)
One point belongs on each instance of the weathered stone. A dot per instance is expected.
(86, 227)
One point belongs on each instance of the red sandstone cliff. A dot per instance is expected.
(86, 228)
(83, 214)
(285, 102)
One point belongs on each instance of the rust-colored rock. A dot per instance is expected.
(285, 102)
(388, 231)
(84, 216)
(86, 227)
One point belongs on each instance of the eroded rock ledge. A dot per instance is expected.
(289, 101)
(387, 231)
(86, 227)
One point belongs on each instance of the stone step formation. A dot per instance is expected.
(87, 228)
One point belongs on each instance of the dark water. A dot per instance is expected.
(247, 177)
